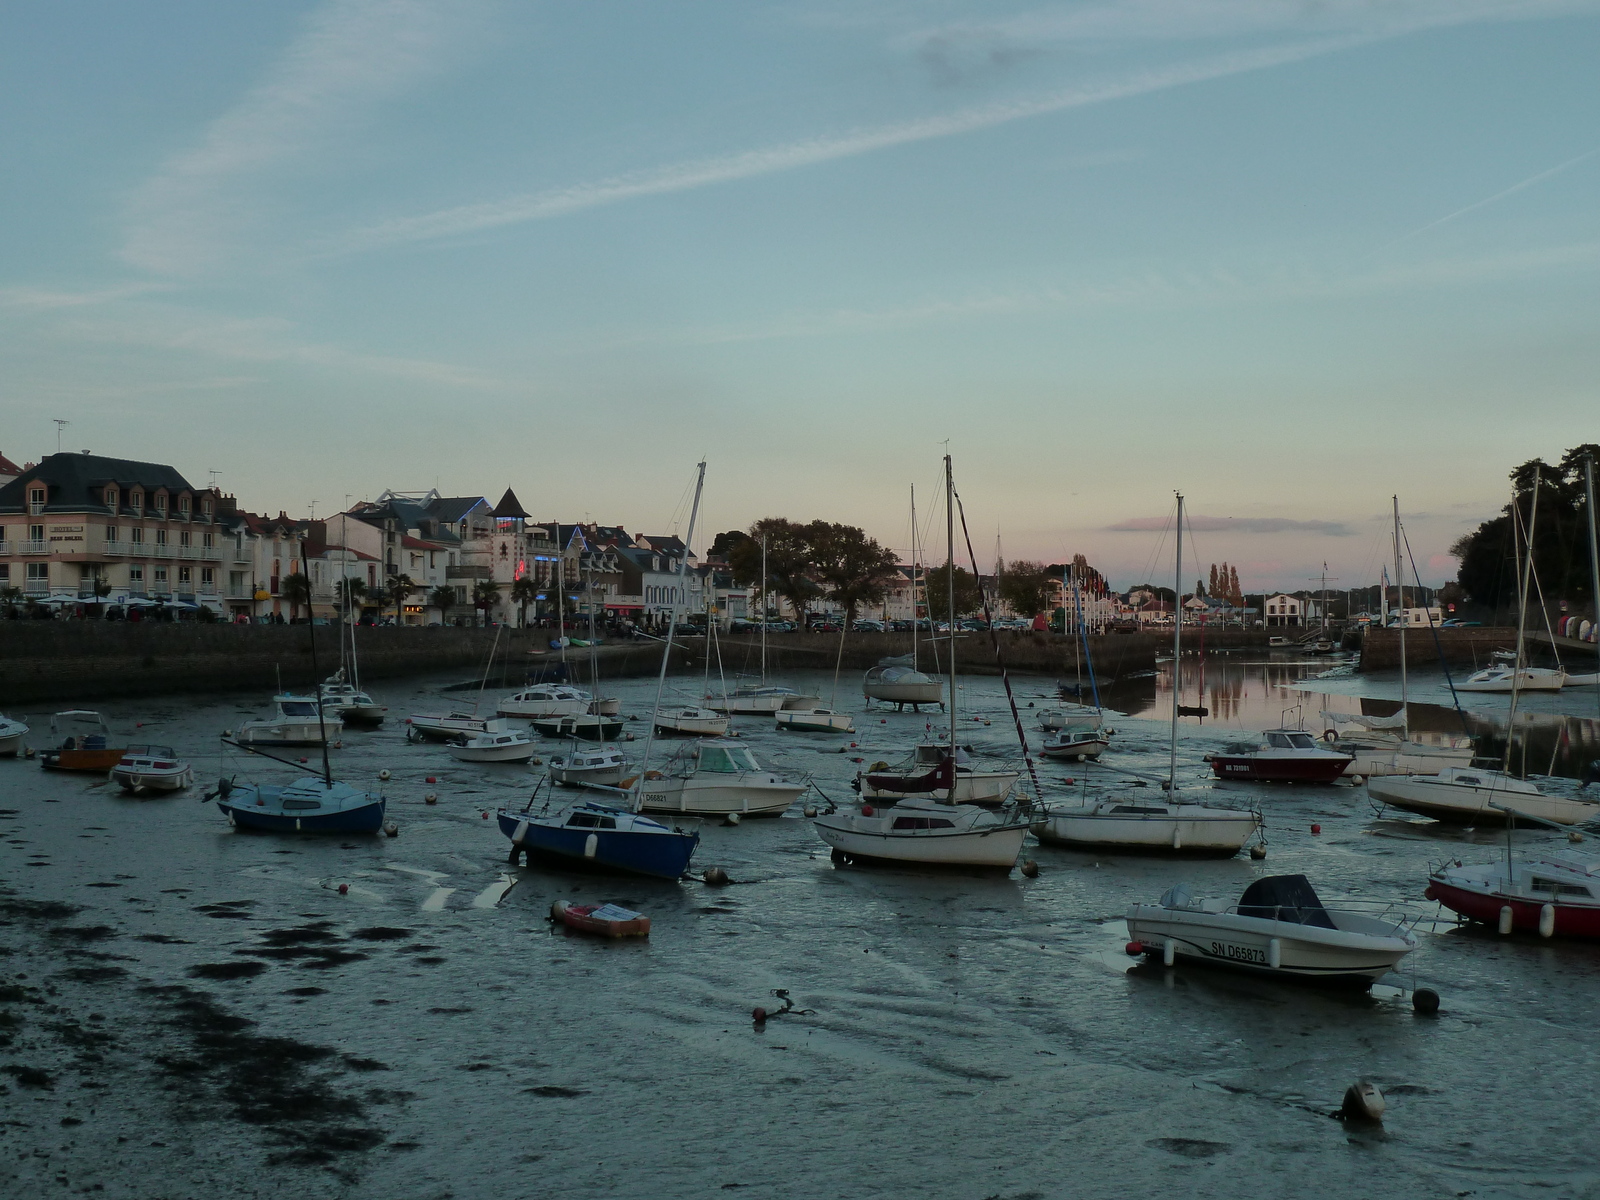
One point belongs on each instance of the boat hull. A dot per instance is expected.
(905, 693)
(491, 754)
(1087, 748)
(972, 787)
(1252, 769)
(1197, 837)
(278, 733)
(152, 781)
(993, 849)
(367, 818)
(815, 722)
(1470, 805)
(692, 726)
(79, 760)
(659, 855)
(587, 727)
(1329, 957)
(745, 705)
(718, 797)
(1571, 920)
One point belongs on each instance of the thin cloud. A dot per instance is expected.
(1501, 195)
(48, 299)
(350, 57)
(682, 177)
(1202, 524)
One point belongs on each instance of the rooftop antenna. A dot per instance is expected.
(61, 423)
(214, 473)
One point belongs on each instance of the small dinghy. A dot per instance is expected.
(443, 726)
(1279, 928)
(604, 920)
(151, 769)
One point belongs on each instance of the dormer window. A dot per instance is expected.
(161, 504)
(36, 499)
(205, 508)
(183, 507)
(111, 498)
(136, 500)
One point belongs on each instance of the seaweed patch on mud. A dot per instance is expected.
(282, 1085)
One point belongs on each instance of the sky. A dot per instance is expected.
(1289, 259)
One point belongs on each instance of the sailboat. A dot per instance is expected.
(311, 804)
(927, 820)
(615, 836)
(1482, 796)
(1155, 826)
(341, 692)
(757, 697)
(821, 720)
(1080, 733)
(898, 680)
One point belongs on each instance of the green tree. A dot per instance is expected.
(350, 591)
(11, 597)
(724, 543)
(938, 590)
(401, 588)
(296, 589)
(443, 598)
(1025, 586)
(101, 589)
(853, 568)
(524, 591)
(485, 595)
(789, 560)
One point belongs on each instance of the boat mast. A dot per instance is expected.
(1400, 607)
(666, 649)
(914, 564)
(1594, 551)
(561, 599)
(1177, 656)
(763, 610)
(316, 676)
(1522, 615)
(950, 562)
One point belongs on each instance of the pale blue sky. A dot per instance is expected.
(1288, 258)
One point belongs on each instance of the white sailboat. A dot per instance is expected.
(1155, 826)
(821, 720)
(899, 681)
(926, 822)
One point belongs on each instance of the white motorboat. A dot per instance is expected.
(1386, 746)
(1083, 739)
(714, 778)
(296, 722)
(692, 722)
(609, 706)
(443, 726)
(1477, 797)
(757, 704)
(1279, 928)
(589, 765)
(815, 720)
(1149, 826)
(11, 735)
(496, 742)
(1282, 756)
(895, 681)
(1506, 679)
(349, 703)
(1052, 720)
(924, 832)
(546, 700)
(919, 776)
(151, 769)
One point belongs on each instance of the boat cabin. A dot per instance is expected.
(1287, 739)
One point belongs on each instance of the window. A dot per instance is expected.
(5, 573)
(297, 805)
(136, 500)
(582, 821)
(1560, 889)
(38, 572)
(136, 535)
(911, 822)
(185, 538)
(161, 537)
(205, 508)
(183, 507)
(208, 540)
(208, 576)
(36, 498)
(161, 505)
(111, 498)
(136, 577)
(36, 533)
(161, 577)
(185, 576)
(113, 534)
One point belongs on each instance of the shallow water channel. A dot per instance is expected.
(191, 1011)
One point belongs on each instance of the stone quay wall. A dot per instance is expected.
(1467, 647)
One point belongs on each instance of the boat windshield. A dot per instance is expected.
(727, 759)
(1291, 741)
(298, 708)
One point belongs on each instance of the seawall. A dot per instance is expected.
(1471, 646)
(83, 661)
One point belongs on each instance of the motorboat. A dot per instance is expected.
(1279, 928)
(895, 681)
(1511, 678)
(815, 720)
(1283, 756)
(151, 769)
(589, 727)
(1149, 826)
(691, 722)
(1553, 893)
(349, 703)
(443, 726)
(715, 778)
(1053, 720)
(601, 835)
(309, 805)
(924, 832)
(80, 740)
(497, 742)
(751, 704)
(1385, 746)
(1083, 737)
(1477, 797)
(583, 766)
(296, 721)
(608, 706)
(545, 700)
(11, 734)
(920, 775)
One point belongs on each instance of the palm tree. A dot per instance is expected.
(443, 598)
(296, 589)
(524, 591)
(101, 589)
(11, 597)
(350, 592)
(401, 588)
(485, 595)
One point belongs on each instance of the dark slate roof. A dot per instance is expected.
(509, 506)
(454, 508)
(666, 543)
(75, 481)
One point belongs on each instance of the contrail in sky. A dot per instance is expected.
(1512, 190)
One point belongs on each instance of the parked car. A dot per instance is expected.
(867, 626)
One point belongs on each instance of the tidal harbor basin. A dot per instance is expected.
(193, 1008)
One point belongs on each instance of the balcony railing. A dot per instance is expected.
(5, 546)
(36, 587)
(468, 572)
(33, 547)
(117, 546)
